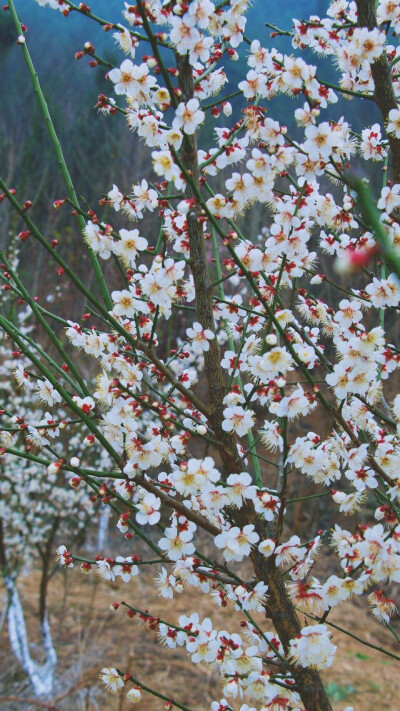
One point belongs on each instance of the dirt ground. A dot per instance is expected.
(89, 635)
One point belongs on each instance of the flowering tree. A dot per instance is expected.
(216, 342)
(36, 504)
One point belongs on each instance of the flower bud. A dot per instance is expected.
(317, 279)
(75, 481)
(134, 694)
(86, 567)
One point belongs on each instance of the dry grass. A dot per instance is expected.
(88, 635)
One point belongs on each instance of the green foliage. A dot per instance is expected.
(337, 692)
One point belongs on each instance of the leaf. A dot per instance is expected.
(338, 693)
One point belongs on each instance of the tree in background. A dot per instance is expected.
(37, 504)
(219, 352)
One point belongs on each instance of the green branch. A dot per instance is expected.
(58, 151)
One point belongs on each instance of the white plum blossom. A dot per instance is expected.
(177, 544)
(200, 337)
(236, 543)
(289, 552)
(47, 393)
(112, 680)
(371, 145)
(393, 126)
(313, 648)
(126, 303)
(240, 488)
(267, 547)
(148, 510)
(133, 80)
(128, 247)
(384, 292)
(122, 77)
(98, 240)
(390, 198)
(238, 420)
(188, 116)
(271, 435)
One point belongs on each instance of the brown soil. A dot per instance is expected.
(89, 635)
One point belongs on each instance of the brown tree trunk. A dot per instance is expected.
(46, 556)
(279, 608)
(3, 555)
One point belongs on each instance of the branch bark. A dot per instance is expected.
(381, 72)
(46, 556)
(203, 285)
